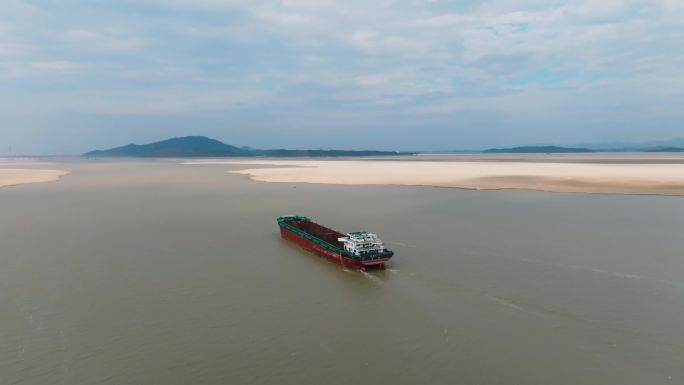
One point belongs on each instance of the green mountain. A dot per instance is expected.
(201, 146)
(537, 150)
(190, 146)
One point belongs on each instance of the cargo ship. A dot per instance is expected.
(360, 250)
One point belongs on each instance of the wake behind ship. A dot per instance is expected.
(359, 250)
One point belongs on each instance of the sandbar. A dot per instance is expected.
(19, 176)
(656, 175)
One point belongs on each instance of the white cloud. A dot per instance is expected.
(172, 101)
(44, 70)
(387, 58)
(57, 66)
(673, 5)
(105, 40)
(601, 9)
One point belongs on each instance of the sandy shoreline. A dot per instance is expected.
(583, 175)
(19, 176)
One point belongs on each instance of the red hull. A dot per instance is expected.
(328, 254)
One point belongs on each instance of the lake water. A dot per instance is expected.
(159, 273)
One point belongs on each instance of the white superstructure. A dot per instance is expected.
(361, 243)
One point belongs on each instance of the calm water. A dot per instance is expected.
(157, 273)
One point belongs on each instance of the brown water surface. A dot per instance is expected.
(159, 273)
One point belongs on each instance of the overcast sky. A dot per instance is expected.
(349, 74)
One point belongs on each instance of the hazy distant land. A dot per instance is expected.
(573, 150)
(200, 146)
(657, 174)
(537, 150)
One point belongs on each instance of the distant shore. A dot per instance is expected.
(590, 173)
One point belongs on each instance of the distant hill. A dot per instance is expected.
(537, 150)
(190, 146)
(201, 146)
(665, 149)
(649, 146)
(320, 153)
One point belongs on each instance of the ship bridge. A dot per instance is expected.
(362, 243)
